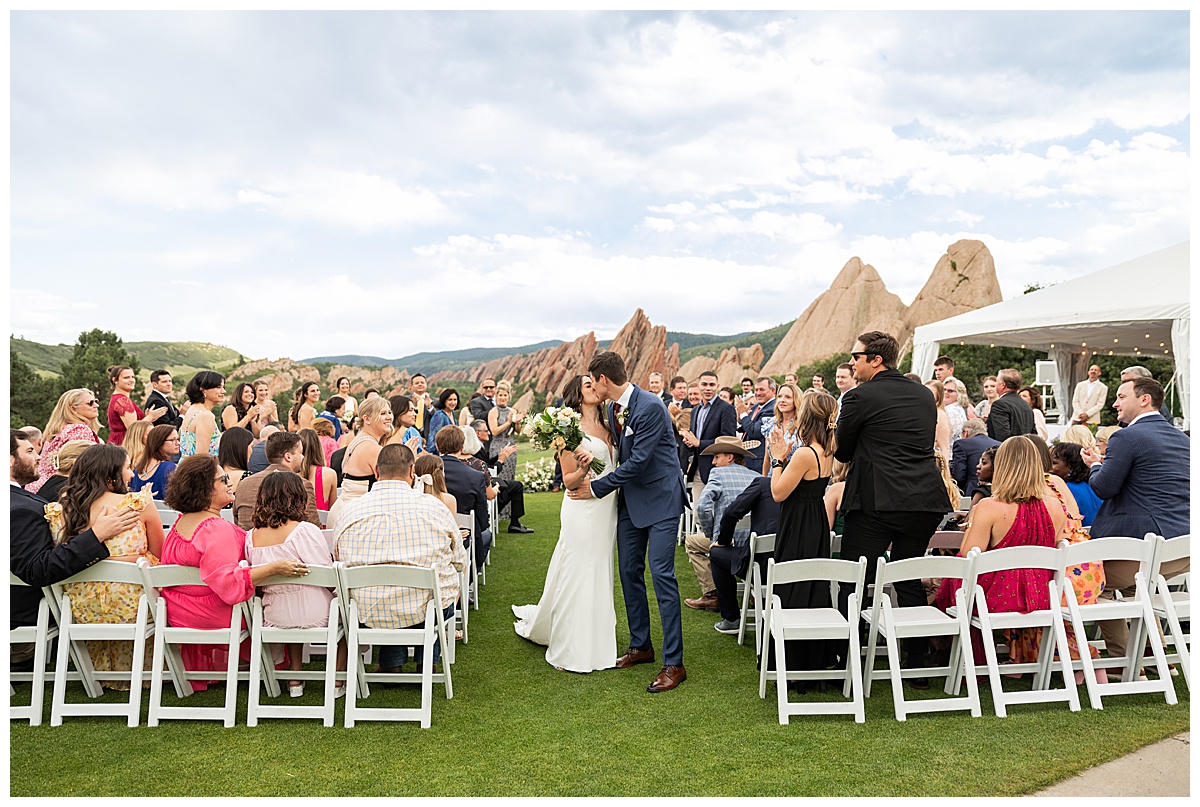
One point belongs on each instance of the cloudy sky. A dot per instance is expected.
(299, 184)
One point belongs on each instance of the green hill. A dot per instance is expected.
(769, 339)
(445, 360)
(181, 358)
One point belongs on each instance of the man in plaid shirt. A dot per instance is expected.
(395, 524)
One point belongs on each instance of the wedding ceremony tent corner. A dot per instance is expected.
(1137, 308)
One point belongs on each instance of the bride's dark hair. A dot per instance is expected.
(573, 397)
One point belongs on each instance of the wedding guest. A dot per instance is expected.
(258, 451)
(785, 419)
(99, 485)
(941, 434)
(75, 417)
(503, 424)
(655, 384)
(1102, 435)
(122, 411)
(467, 486)
(485, 399)
(693, 394)
(1033, 397)
(983, 474)
(747, 389)
(242, 411)
(305, 408)
(965, 454)
(751, 414)
(359, 461)
(154, 467)
(1067, 463)
(990, 394)
(135, 440)
(726, 394)
(270, 410)
(443, 415)
(418, 386)
(343, 391)
(316, 471)
(1078, 434)
(833, 497)
(281, 534)
(35, 437)
(63, 460)
(943, 368)
(371, 393)
(159, 396)
(711, 418)
(1088, 399)
(508, 493)
(956, 405)
(33, 555)
(793, 379)
(324, 431)
(200, 538)
(430, 472)
(1009, 414)
(285, 452)
(404, 422)
(199, 433)
(234, 455)
(335, 410)
(729, 561)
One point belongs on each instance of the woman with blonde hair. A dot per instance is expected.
(76, 416)
(941, 433)
(63, 460)
(1102, 435)
(358, 463)
(989, 396)
(1078, 434)
(135, 440)
(798, 483)
(786, 418)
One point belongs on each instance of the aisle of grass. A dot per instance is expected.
(516, 726)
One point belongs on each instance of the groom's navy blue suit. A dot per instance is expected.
(650, 502)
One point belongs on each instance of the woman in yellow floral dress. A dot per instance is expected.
(99, 484)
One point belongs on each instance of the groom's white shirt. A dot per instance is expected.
(623, 401)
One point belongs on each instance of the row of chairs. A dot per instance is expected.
(153, 623)
(1154, 601)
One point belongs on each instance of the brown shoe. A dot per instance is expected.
(668, 678)
(706, 603)
(633, 656)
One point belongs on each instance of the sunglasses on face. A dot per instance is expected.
(855, 356)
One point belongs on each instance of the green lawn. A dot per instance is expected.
(517, 727)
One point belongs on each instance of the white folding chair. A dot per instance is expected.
(493, 516)
(357, 680)
(755, 588)
(39, 635)
(1174, 607)
(1049, 621)
(168, 516)
(73, 635)
(1138, 608)
(227, 514)
(782, 625)
(467, 521)
(898, 623)
(328, 637)
(167, 639)
(323, 517)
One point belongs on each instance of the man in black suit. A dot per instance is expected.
(33, 557)
(160, 389)
(728, 560)
(751, 417)
(965, 454)
(894, 494)
(1009, 414)
(467, 486)
(508, 493)
(712, 417)
(483, 403)
(675, 397)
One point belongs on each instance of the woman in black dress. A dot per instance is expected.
(799, 486)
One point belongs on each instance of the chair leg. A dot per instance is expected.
(37, 693)
(354, 668)
(427, 673)
(869, 663)
(139, 662)
(1064, 652)
(989, 651)
(781, 681)
(856, 682)
(160, 625)
(1160, 656)
(891, 644)
(58, 697)
(231, 673)
(256, 647)
(1181, 645)
(745, 605)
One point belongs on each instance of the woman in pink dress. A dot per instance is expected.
(200, 537)
(281, 534)
(75, 417)
(122, 411)
(1022, 511)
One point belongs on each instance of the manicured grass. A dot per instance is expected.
(518, 727)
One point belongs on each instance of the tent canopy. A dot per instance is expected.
(1137, 308)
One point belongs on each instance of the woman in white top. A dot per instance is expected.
(956, 405)
(1033, 397)
(343, 389)
(941, 434)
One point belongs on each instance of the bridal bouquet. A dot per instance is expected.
(558, 428)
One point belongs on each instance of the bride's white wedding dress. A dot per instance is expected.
(576, 617)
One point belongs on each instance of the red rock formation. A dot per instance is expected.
(731, 366)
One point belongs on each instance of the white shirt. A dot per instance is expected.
(623, 401)
(1139, 417)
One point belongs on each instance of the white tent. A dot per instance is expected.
(1137, 308)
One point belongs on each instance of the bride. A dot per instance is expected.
(576, 618)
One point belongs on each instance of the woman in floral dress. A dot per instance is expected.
(99, 483)
(76, 416)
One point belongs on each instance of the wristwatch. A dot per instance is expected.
(778, 463)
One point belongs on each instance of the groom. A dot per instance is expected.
(649, 504)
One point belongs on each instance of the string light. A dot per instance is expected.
(1083, 344)
(1147, 336)
(1022, 347)
(1115, 341)
(1162, 344)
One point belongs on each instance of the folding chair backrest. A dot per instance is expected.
(323, 517)
(792, 571)
(154, 578)
(1018, 557)
(353, 577)
(964, 502)
(761, 544)
(466, 520)
(1170, 549)
(323, 576)
(329, 539)
(106, 571)
(931, 566)
(1102, 549)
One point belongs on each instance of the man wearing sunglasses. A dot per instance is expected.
(481, 404)
(894, 495)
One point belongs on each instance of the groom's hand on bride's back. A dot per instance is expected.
(584, 491)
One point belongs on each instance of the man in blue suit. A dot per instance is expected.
(650, 486)
(965, 453)
(711, 418)
(752, 415)
(1144, 480)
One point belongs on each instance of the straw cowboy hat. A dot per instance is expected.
(731, 445)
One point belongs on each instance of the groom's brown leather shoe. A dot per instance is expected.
(668, 678)
(633, 656)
